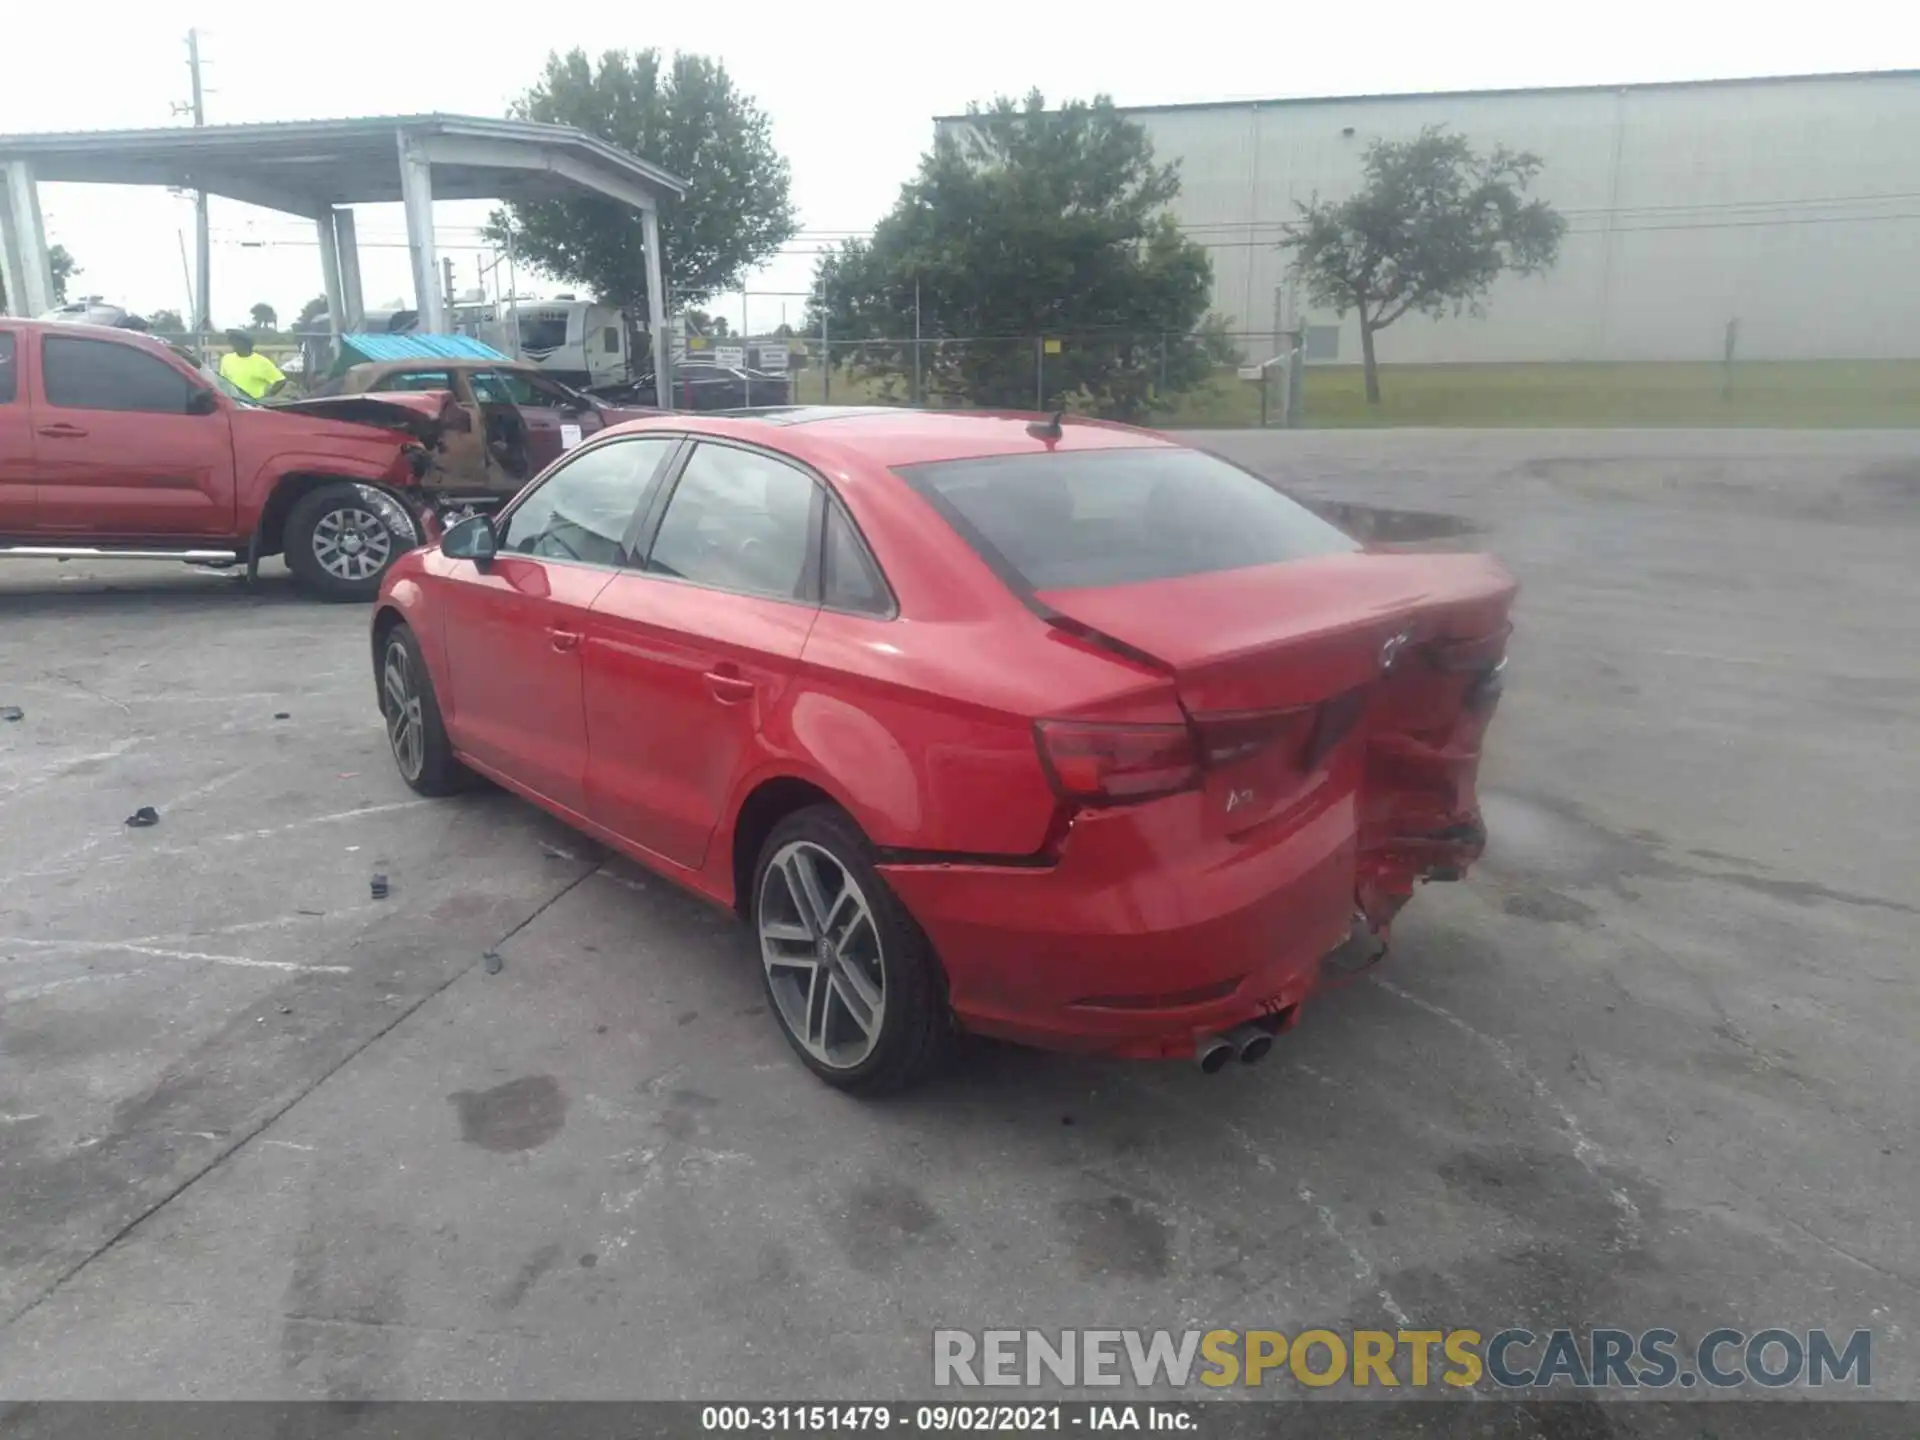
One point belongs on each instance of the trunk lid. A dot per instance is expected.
(1357, 670)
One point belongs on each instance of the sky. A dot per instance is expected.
(851, 89)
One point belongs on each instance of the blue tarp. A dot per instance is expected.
(357, 348)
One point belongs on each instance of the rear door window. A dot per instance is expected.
(739, 520)
(1079, 519)
(9, 370)
(101, 375)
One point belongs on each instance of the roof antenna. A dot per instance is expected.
(1046, 429)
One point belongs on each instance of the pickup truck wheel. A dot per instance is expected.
(337, 544)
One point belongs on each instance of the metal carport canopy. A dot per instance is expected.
(312, 167)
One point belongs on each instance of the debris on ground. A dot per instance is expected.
(282, 715)
(143, 817)
(12, 712)
(493, 962)
(379, 885)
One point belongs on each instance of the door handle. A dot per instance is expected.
(729, 689)
(564, 640)
(60, 430)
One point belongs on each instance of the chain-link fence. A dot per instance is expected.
(1211, 376)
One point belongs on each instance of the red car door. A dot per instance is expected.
(685, 656)
(513, 628)
(16, 440)
(129, 443)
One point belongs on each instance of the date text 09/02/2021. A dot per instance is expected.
(944, 1419)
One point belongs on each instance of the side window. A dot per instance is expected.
(499, 387)
(738, 520)
(416, 380)
(9, 371)
(100, 375)
(583, 509)
(849, 580)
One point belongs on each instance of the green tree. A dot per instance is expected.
(264, 316)
(1029, 224)
(1430, 229)
(312, 315)
(60, 263)
(687, 117)
(166, 322)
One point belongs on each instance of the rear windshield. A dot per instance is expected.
(1077, 519)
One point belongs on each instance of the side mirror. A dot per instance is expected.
(472, 539)
(202, 402)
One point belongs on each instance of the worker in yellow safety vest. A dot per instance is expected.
(247, 369)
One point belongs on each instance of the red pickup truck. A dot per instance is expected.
(115, 445)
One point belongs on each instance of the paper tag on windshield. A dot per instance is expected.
(569, 436)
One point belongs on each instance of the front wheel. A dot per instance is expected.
(415, 732)
(339, 542)
(852, 979)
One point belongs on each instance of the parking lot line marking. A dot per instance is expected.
(128, 947)
(1362, 1267)
(1585, 1149)
(332, 819)
(66, 863)
(34, 992)
(67, 764)
(276, 922)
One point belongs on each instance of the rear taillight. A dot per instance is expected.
(1095, 764)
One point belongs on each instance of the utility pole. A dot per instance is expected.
(918, 397)
(202, 239)
(446, 266)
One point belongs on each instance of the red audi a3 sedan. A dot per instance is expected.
(1063, 733)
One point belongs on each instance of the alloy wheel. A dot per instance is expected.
(822, 954)
(352, 544)
(406, 727)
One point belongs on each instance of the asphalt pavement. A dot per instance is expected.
(264, 1135)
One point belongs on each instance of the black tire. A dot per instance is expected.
(330, 534)
(916, 1033)
(437, 772)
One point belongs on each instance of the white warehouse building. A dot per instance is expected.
(1790, 205)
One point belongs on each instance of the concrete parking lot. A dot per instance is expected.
(264, 1135)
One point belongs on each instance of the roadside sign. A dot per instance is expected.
(696, 342)
(1052, 347)
(773, 359)
(732, 356)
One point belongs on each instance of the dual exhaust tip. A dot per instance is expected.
(1247, 1043)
